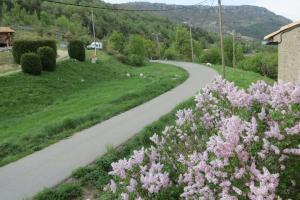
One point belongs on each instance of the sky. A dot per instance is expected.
(287, 8)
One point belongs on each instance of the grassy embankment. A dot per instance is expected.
(36, 111)
(88, 182)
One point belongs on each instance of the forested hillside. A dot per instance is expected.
(251, 21)
(70, 22)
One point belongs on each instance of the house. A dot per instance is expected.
(6, 36)
(288, 40)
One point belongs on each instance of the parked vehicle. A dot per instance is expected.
(95, 45)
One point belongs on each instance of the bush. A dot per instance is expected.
(232, 144)
(48, 58)
(31, 64)
(264, 63)
(30, 46)
(211, 55)
(76, 50)
(64, 192)
(171, 54)
(136, 60)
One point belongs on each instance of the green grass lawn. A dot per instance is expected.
(36, 111)
(88, 182)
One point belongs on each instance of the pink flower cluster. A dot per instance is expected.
(219, 149)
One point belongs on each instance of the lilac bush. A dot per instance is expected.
(234, 144)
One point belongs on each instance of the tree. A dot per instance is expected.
(136, 45)
(228, 49)
(116, 41)
(182, 42)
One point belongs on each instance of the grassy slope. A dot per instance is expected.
(89, 181)
(38, 111)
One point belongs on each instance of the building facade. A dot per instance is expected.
(6, 36)
(288, 41)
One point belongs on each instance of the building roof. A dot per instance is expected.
(283, 29)
(6, 30)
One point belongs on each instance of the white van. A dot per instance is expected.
(95, 45)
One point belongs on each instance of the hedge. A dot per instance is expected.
(30, 46)
(31, 64)
(48, 58)
(76, 50)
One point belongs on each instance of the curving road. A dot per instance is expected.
(50, 166)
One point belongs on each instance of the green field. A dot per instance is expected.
(36, 111)
(90, 180)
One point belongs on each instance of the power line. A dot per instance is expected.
(124, 9)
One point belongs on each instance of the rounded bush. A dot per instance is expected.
(31, 64)
(48, 58)
(76, 50)
(27, 46)
(136, 60)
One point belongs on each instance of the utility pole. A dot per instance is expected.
(94, 33)
(158, 45)
(192, 47)
(221, 37)
(233, 51)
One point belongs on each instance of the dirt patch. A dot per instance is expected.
(8, 67)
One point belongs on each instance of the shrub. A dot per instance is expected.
(171, 54)
(264, 63)
(64, 192)
(211, 55)
(233, 144)
(76, 50)
(26, 46)
(136, 60)
(116, 41)
(48, 58)
(31, 64)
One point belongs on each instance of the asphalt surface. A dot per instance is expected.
(52, 165)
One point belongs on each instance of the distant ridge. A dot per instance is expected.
(250, 21)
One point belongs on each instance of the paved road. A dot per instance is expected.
(50, 166)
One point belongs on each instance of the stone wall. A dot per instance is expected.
(289, 56)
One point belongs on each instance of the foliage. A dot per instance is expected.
(48, 58)
(65, 192)
(97, 91)
(135, 60)
(26, 46)
(264, 63)
(116, 41)
(76, 50)
(31, 64)
(211, 55)
(171, 53)
(234, 144)
(228, 51)
(136, 50)
(182, 43)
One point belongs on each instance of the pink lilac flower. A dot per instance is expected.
(124, 196)
(295, 130)
(274, 132)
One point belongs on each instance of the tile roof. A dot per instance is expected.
(283, 29)
(6, 30)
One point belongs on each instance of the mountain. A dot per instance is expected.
(251, 21)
